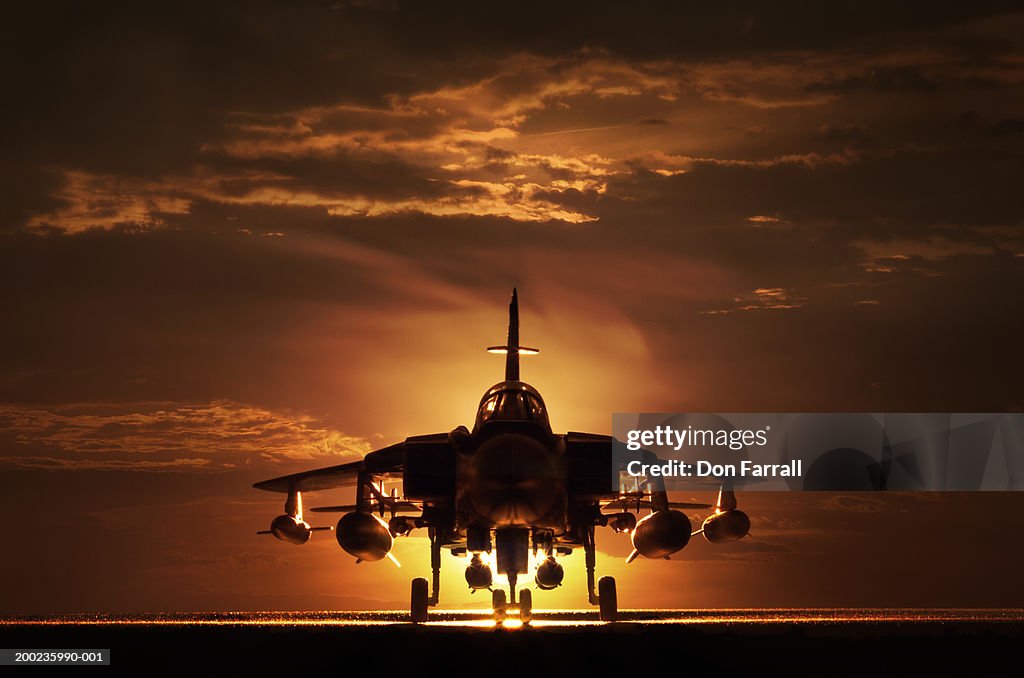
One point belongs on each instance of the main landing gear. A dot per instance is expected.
(421, 600)
(605, 597)
(512, 557)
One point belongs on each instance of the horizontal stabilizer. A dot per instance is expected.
(523, 350)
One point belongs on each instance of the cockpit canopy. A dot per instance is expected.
(512, 401)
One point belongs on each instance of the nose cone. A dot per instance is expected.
(512, 480)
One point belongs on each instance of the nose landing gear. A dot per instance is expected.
(501, 606)
(526, 606)
(513, 554)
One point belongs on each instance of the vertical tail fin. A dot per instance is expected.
(512, 349)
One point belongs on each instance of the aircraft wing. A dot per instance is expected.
(389, 462)
(342, 475)
(383, 462)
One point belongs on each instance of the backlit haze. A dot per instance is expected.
(239, 241)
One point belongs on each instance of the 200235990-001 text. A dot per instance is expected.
(35, 657)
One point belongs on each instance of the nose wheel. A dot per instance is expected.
(525, 606)
(499, 605)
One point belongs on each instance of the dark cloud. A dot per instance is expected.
(384, 178)
(845, 134)
(902, 79)
(855, 504)
(886, 192)
(668, 29)
(28, 191)
(1008, 126)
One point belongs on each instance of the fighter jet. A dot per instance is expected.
(496, 493)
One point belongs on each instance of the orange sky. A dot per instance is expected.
(251, 239)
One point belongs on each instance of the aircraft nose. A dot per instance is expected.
(513, 480)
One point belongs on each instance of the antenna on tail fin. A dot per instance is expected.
(512, 349)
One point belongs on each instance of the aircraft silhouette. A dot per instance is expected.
(508, 487)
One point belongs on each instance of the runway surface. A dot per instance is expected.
(469, 619)
(798, 641)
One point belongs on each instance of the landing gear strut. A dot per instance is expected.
(605, 597)
(420, 598)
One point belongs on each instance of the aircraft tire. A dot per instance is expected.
(418, 607)
(498, 604)
(608, 600)
(525, 606)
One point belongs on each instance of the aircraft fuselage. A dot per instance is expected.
(512, 477)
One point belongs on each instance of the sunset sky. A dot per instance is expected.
(243, 239)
